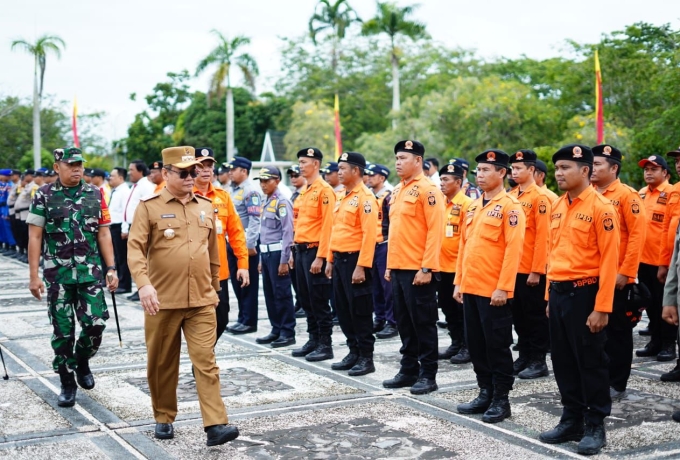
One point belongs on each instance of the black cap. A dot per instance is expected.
(523, 155)
(269, 172)
(204, 153)
(240, 162)
(329, 167)
(29, 172)
(413, 147)
(493, 157)
(294, 169)
(374, 169)
(452, 169)
(674, 153)
(16, 171)
(353, 158)
(156, 165)
(462, 162)
(310, 152)
(656, 160)
(541, 166)
(574, 152)
(96, 172)
(223, 169)
(607, 151)
(88, 172)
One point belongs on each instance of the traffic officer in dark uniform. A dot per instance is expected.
(349, 264)
(582, 267)
(276, 239)
(416, 222)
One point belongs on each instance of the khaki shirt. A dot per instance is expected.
(184, 268)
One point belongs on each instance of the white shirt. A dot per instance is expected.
(435, 178)
(119, 197)
(285, 191)
(142, 189)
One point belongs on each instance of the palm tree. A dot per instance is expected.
(392, 20)
(335, 18)
(224, 55)
(40, 49)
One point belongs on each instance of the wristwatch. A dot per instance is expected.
(425, 270)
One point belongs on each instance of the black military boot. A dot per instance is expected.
(84, 375)
(536, 368)
(673, 375)
(520, 363)
(651, 349)
(307, 348)
(347, 362)
(594, 439)
(462, 357)
(323, 350)
(667, 352)
(479, 405)
(452, 349)
(362, 367)
(566, 430)
(67, 397)
(499, 409)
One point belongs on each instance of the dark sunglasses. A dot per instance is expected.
(183, 174)
(294, 176)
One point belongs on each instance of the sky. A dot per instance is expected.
(115, 48)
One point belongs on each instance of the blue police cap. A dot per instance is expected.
(241, 162)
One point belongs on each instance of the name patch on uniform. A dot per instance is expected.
(557, 215)
(354, 202)
(583, 217)
(167, 216)
(656, 217)
(414, 191)
(662, 198)
(526, 204)
(496, 214)
(513, 218)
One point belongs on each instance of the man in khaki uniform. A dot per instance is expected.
(174, 260)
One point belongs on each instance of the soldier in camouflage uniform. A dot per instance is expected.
(69, 223)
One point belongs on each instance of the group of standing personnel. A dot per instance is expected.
(570, 273)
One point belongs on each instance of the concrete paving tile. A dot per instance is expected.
(22, 411)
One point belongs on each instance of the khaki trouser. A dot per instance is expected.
(163, 342)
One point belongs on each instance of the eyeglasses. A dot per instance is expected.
(183, 174)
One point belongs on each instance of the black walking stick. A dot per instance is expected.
(2, 357)
(115, 313)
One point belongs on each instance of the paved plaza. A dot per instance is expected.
(286, 407)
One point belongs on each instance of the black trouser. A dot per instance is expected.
(453, 311)
(15, 229)
(22, 235)
(222, 310)
(353, 304)
(619, 345)
(488, 330)
(528, 316)
(383, 305)
(314, 292)
(580, 362)
(415, 309)
(246, 296)
(278, 296)
(120, 253)
(293, 280)
(661, 332)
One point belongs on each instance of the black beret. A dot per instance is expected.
(353, 158)
(493, 157)
(204, 153)
(156, 165)
(310, 152)
(452, 169)
(523, 155)
(541, 166)
(413, 147)
(607, 151)
(574, 152)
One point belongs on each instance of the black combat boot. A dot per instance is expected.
(323, 351)
(452, 349)
(462, 357)
(67, 397)
(499, 409)
(84, 375)
(594, 439)
(536, 368)
(347, 362)
(363, 366)
(566, 430)
(520, 363)
(307, 348)
(479, 405)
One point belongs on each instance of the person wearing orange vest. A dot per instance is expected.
(155, 176)
(539, 176)
(632, 222)
(384, 325)
(583, 262)
(313, 212)
(451, 185)
(416, 222)
(528, 306)
(349, 264)
(655, 197)
(228, 225)
(489, 256)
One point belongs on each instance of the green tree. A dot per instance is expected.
(334, 19)
(39, 50)
(311, 125)
(393, 21)
(223, 56)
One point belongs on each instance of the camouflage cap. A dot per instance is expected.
(69, 155)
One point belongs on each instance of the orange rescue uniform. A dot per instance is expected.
(632, 226)
(537, 206)
(655, 201)
(354, 220)
(227, 222)
(670, 225)
(584, 243)
(456, 210)
(491, 246)
(313, 213)
(416, 219)
(160, 187)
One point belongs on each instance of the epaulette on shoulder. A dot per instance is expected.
(204, 198)
(603, 199)
(513, 199)
(148, 198)
(632, 189)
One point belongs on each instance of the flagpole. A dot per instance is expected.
(338, 134)
(599, 105)
(74, 123)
